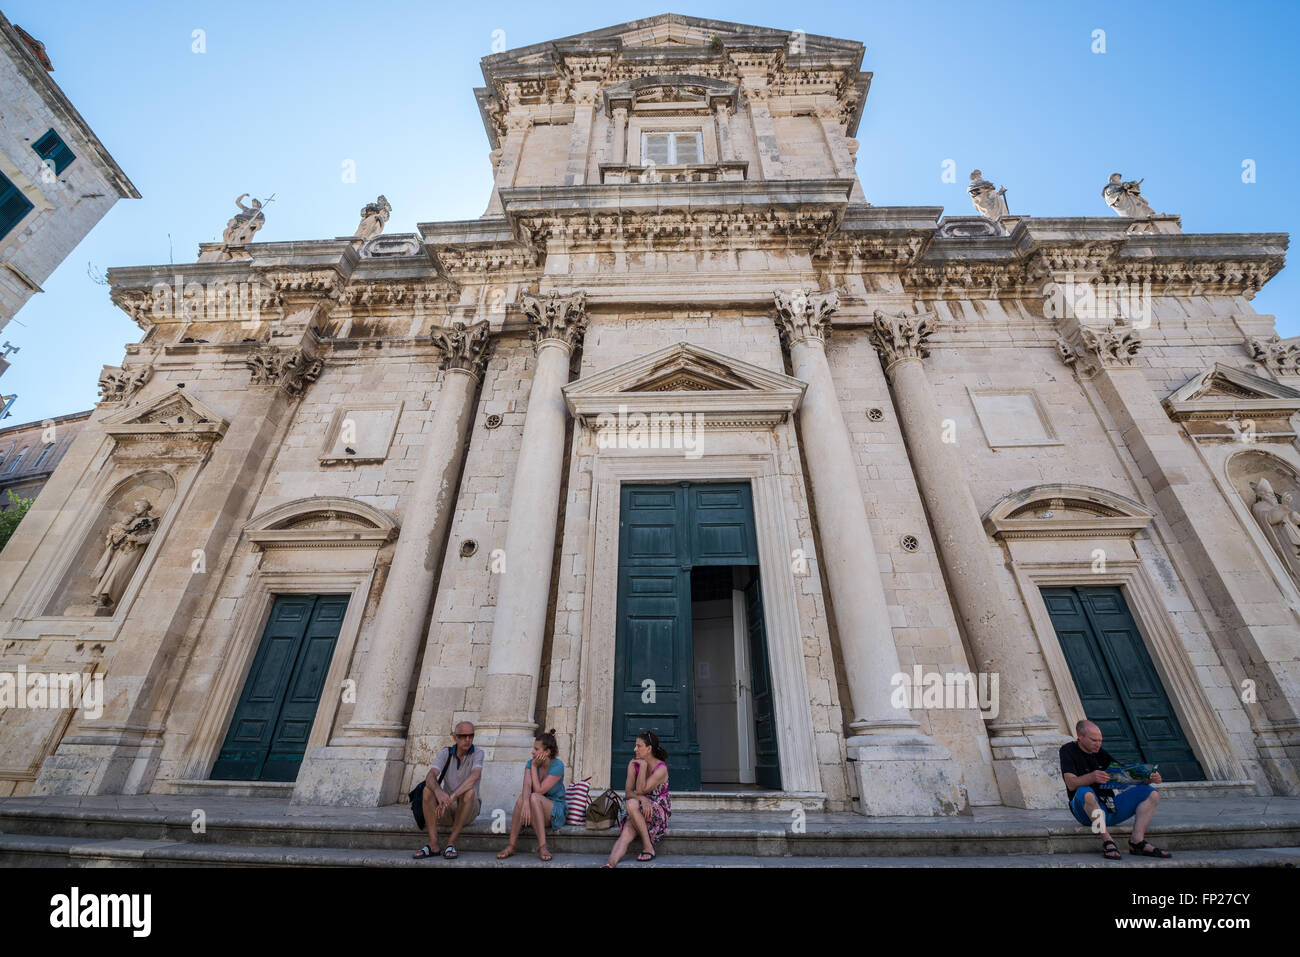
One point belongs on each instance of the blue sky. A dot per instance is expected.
(287, 92)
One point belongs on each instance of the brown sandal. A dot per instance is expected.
(509, 851)
(544, 853)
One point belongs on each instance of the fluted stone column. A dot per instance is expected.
(1024, 741)
(505, 728)
(899, 769)
(363, 765)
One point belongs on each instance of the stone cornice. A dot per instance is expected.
(1042, 250)
(683, 215)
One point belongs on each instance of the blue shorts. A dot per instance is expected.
(1126, 804)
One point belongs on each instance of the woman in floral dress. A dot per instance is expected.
(647, 807)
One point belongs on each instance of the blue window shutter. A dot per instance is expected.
(50, 146)
(13, 206)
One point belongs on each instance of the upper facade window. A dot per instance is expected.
(671, 149)
(51, 147)
(13, 206)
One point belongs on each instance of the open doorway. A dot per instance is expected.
(732, 687)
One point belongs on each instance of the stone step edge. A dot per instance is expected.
(970, 841)
(82, 852)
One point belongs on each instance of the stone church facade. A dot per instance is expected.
(683, 433)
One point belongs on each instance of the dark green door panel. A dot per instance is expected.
(767, 769)
(268, 733)
(664, 531)
(1117, 681)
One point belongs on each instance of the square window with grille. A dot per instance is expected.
(671, 149)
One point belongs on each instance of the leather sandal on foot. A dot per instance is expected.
(645, 856)
(508, 852)
(1110, 851)
(544, 853)
(1147, 849)
(425, 851)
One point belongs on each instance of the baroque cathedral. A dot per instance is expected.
(857, 506)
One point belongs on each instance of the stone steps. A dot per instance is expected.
(23, 850)
(246, 825)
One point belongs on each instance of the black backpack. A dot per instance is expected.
(417, 793)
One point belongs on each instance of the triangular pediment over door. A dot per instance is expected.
(686, 378)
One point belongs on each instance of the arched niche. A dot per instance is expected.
(1270, 490)
(75, 594)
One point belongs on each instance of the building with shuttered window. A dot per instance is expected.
(56, 178)
(855, 505)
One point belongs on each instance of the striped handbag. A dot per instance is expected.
(576, 798)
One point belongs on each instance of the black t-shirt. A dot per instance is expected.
(1079, 762)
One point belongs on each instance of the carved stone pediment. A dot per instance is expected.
(321, 522)
(1229, 404)
(686, 378)
(1062, 510)
(173, 425)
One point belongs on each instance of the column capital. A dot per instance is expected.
(555, 315)
(463, 346)
(902, 336)
(805, 314)
(1089, 349)
(287, 369)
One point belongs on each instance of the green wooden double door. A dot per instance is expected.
(1117, 682)
(664, 532)
(268, 733)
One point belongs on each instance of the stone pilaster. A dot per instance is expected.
(1024, 741)
(363, 765)
(517, 126)
(899, 769)
(505, 729)
(586, 94)
(760, 115)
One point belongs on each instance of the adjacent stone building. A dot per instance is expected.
(857, 506)
(56, 178)
(29, 453)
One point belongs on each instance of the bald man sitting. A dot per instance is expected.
(1083, 764)
(451, 791)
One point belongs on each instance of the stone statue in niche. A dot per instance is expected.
(124, 546)
(1125, 197)
(373, 217)
(1281, 522)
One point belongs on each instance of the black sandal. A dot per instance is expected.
(1110, 851)
(1147, 849)
(645, 856)
(424, 852)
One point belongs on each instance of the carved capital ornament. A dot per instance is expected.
(289, 370)
(556, 316)
(902, 336)
(804, 314)
(463, 346)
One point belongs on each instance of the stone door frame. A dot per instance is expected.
(306, 562)
(1178, 676)
(797, 743)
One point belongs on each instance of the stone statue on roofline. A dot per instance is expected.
(244, 224)
(373, 217)
(1125, 197)
(991, 203)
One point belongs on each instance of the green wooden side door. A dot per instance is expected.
(268, 733)
(664, 531)
(1117, 682)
